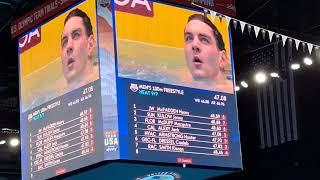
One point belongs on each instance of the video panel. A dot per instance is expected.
(66, 69)
(108, 80)
(176, 86)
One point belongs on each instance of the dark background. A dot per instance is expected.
(296, 159)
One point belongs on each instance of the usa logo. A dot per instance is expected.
(29, 40)
(140, 7)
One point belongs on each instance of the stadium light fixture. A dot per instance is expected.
(260, 77)
(2, 142)
(295, 66)
(244, 84)
(307, 61)
(14, 142)
(274, 74)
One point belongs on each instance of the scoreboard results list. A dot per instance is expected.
(189, 128)
(64, 134)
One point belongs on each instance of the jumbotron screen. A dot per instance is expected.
(64, 65)
(175, 86)
(130, 80)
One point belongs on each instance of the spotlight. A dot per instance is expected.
(244, 84)
(295, 66)
(260, 77)
(2, 142)
(14, 142)
(237, 88)
(307, 61)
(274, 75)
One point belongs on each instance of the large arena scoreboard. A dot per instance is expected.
(111, 80)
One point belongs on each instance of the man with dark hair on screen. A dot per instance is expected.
(78, 51)
(78, 57)
(205, 55)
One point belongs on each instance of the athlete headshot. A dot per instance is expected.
(205, 54)
(78, 50)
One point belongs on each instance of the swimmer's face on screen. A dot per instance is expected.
(203, 57)
(77, 48)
